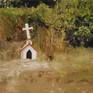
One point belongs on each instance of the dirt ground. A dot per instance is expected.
(29, 77)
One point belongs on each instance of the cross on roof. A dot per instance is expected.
(27, 29)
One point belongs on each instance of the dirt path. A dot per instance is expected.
(30, 74)
(16, 67)
(23, 76)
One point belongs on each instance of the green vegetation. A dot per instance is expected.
(68, 22)
(58, 27)
(25, 3)
(66, 17)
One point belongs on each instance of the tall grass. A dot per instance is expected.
(9, 50)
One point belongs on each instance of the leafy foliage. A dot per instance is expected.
(83, 35)
(58, 20)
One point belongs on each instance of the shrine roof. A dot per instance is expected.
(28, 43)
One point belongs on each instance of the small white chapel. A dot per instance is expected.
(27, 51)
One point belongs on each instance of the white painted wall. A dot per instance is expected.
(25, 50)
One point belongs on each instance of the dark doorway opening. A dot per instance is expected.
(29, 55)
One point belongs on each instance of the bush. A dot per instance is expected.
(83, 35)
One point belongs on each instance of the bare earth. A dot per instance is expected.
(21, 76)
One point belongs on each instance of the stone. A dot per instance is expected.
(28, 52)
